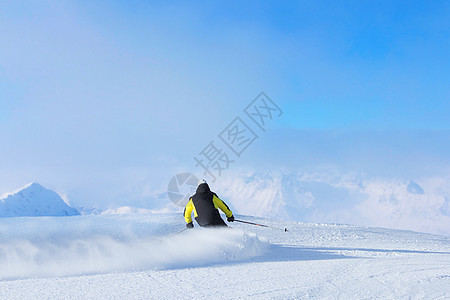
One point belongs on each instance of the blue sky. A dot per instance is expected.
(99, 97)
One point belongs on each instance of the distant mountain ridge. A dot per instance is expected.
(34, 200)
(334, 197)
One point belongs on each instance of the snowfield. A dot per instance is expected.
(144, 257)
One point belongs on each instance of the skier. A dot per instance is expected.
(204, 204)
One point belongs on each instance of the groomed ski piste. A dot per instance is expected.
(144, 257)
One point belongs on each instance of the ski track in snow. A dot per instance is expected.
(141, 257)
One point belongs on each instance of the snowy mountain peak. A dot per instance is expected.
(33, 185)
(34, 200)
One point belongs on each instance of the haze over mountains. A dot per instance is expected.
(342, 198)
(326, 197)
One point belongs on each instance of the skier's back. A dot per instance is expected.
(205, 205)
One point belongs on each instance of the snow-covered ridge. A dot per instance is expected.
(34, 200)
(329, 196)
(332, 197)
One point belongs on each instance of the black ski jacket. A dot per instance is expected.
(205, 205)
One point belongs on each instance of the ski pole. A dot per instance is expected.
(180, 231)
(256, 224)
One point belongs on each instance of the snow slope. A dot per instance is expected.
(143, 257)
(34, 200)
